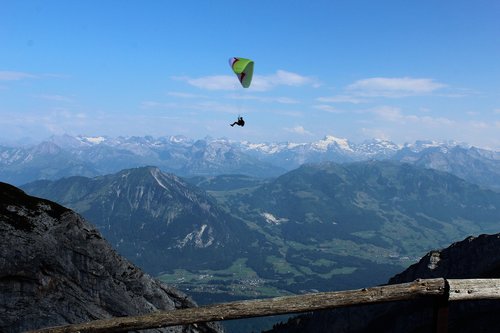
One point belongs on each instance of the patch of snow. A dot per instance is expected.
(292, 145)
(263, 147)
(197, 237)
(95, 140)
(271, 219)
(155, 174)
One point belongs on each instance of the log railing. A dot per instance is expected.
(443, 290)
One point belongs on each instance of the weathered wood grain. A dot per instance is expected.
(474, 289)
(263, 307)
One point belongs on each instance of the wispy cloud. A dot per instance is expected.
(157, 105)
(394, 114)
(56, 98)
(362, 91)
(15, 76)
(203, 106)
(375, 133)
(388, 113)
(394, 87)
(185, 95)
(53, 121)
(259, 82)
(479, 124)
(279, 99)
(298, 130)
(215, 82)
(212, 106)
(327, 108)
(341, 99)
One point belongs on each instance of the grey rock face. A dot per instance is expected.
(474, 257)
(56, 269)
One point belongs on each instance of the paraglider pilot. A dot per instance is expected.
(240, 122)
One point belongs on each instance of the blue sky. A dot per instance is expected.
(398, 70)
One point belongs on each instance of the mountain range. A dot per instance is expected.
(323, 226)
(56, 269)
(63, 156)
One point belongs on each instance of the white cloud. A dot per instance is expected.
(259, 82)
(15, 76)
(298, 130)
(394, 87)
(341, 99)
(283, 100)
(377, 133)
(327, 108)
(215, 82)
(281, 78)
(288, 79)
(497, 111)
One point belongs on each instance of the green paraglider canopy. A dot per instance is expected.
(243, 68)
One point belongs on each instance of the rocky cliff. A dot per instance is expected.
(55, 269)
(474, 257)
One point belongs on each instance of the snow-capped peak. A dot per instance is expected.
(331, 140)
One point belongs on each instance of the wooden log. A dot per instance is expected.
(262, 307)
(474, 289)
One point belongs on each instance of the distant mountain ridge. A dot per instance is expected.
(374, 202)
(63, 156)
(156, 219)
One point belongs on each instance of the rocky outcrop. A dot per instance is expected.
(474, 257)
(55, 269)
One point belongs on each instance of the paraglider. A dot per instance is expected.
(240, 122)
(243, 68)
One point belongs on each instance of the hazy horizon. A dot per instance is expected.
(96, 139)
